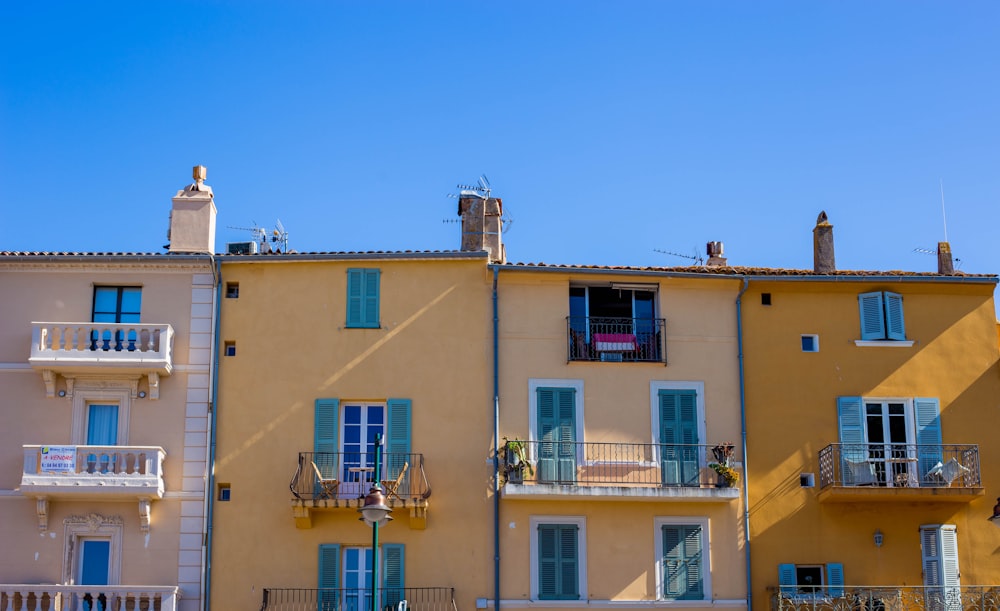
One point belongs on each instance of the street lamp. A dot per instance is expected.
(375, 513)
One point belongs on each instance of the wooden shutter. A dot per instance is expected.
(558, 562)
(394, 581)
(872, 316)
(853, 450)
(363, 298)
(787, 579)
(371, 298)
(894, 326)
(835, 579)
(682, 562)
(326, 430)
(397, 447)
(556, 434)
(328, 598)
(679, 454)
(927, 413)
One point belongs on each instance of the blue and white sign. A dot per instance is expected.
(58, 459)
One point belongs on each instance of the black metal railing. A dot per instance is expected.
(349, 475)
(617, 464)
(899, 465)
(347, 599)
(619, 340)
(884, 598)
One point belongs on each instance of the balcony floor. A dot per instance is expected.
(561, 492)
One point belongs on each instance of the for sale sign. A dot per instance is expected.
(58, 459)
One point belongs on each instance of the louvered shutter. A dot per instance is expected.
(927, 413)
(894, 326)
(569, 587)
(397, 447)
(787, 579)
(679, 451)
(688, 401)
(835, 579)
(328, 598)
(326, 437)
(363, 298)
(556, 423)
(949, 568)
(394, 583)
(371, 297)
(558, 569)
(682, 562)
(872, 316)
(566, 406)
(853, 450)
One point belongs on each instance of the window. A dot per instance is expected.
(889, 442)
(558, 558)
(345, 577)
(810, 343)
(225, 492)
(881, 316)
(682, 558)
(556, 416)
(344, 442)
(101, 413)
(229, 348)
(362, 298)
(115, 305)
(939, 554)
(93, 545)
(811, 579)
(765, 299)
(678, 424)
(232, 290)
(614, 323)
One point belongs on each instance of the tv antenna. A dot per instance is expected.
(278, 236)
(482, 189)
(931, 251)
(697, 258)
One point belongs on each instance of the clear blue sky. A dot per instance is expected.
(609, 129)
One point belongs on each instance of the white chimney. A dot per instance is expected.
(192, 217)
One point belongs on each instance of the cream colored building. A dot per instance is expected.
(105, 363)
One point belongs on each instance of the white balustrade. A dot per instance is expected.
(124, 471)
(60, 345)
(21, 597)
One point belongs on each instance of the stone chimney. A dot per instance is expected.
(481, 224)
(946, 265)
(192, 217)
(714, 252)
(823, 261)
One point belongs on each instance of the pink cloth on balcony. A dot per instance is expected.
(614, 342)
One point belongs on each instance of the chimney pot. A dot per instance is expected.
(946, 264)
(714, 251)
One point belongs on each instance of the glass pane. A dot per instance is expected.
(131, 302)
(94, 557)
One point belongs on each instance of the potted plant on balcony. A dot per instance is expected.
(515, 461)
(727, 475)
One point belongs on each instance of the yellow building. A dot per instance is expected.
(871, 401)
(618, 389)
(105, 366)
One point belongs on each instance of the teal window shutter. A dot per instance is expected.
(363, 298)
(853, 449)
(872, 316)
(328, 598)
(679, 454)
(558, 562)
(786, 579)
(394, 582)
(835, 579)
(927, 412)
(556, 434)
(682, 563)
(894, 326)
(326, 429)
(397, 446)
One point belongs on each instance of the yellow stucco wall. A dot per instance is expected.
(792, 415)
(292, 347)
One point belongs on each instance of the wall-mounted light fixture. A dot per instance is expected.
(62, 393)
(142, 394)
(878, 538)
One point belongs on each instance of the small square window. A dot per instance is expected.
(807, 480)
(765, 299)
(232, 290)
(810, 343)
(224, 492)
(230, 349)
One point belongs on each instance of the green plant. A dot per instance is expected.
(515, 457)
(732, 476)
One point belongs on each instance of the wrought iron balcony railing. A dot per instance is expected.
(344, 599)
(895, 465)
(349, 475)
(35, 597)
(614, 464)
(884, 598)
(619, 340)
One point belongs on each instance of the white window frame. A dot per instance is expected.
(655, 387)
(533, 385)
(92, 526)
(581, 552)
(101, 392)
(706, 565)
(815, 340)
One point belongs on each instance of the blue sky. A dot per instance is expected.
(609, 129)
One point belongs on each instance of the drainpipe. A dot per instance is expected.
(206, 564)
(743, 424)
(496, 444)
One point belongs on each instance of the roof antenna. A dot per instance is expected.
(697, 258)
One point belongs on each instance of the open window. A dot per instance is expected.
(614, 323)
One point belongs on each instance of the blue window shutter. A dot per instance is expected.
(682, 563)
(872, 316)
(679, 456)
(397, 446)
(558, 573)
(556, 423)
(326, 429)
(329, 577)
(850, 416)
(786, 579)
(835, 578)
(548, 583)
(927, 413)
(363, 297)
(371, 318)
(568, 560)
(394, 571)
(894, 326)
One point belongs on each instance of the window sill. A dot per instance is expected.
(885, 343)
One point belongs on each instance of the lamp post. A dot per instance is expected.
(375, 513)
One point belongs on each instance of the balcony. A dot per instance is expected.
(38, 597)
(612, 471)
(885, 598)
(616, 340)
(417, 599)
(109, 473)
(73, 348)
(899, 472)
(337, 481)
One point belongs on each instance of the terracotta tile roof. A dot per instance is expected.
(742, 270)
